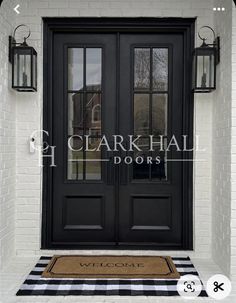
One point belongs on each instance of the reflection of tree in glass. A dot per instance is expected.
(141, 114)
(159, 114)
(160, 68)
(142, 68)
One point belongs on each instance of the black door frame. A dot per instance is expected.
(184, 26)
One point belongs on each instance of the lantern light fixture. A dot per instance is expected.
(24, 63)
(205, 59)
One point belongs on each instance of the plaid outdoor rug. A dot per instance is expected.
(36, 285)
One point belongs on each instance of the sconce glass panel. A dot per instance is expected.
(24, 68)
(204, 78)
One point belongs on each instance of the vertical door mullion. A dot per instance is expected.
(117, 129)
(150, 108)
(84, 114)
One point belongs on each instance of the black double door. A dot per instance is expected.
(124, 84)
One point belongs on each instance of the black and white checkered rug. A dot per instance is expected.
(36, 285)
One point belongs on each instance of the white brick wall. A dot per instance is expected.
(233, 153)
(221, 140)
(212, 114)
(7, 141)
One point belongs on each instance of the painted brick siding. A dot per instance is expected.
(215, 117)
(29, 114)
(233, 154)
(221, 140)
(7, 141)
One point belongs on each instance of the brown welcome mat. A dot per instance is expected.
(111, 267)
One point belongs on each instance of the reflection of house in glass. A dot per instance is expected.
(85, 119)
(87, 114)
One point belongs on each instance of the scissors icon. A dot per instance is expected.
(218, 286)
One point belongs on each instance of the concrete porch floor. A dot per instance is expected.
(15, 272)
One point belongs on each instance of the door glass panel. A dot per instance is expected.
(75, 114)
(150, 108)
(141, 170)
(142, 68)
(93, 114)
(75, 68)
(141, 114)
(160, 69)
(93, 164)
(75, 159)
(84, 113)
(93, 69)
(159, 167)
(159, 114)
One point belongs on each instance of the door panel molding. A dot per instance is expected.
(135, 199)
(52, 26)
(91, 201)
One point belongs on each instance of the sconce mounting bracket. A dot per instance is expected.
(217, 46)
(12, 42)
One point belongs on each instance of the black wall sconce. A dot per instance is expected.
(24, 64)
(205, 59)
